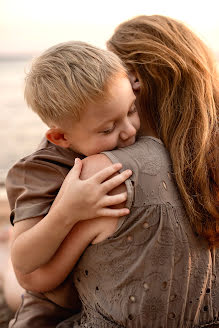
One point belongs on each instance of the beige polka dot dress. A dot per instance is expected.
(154, 272)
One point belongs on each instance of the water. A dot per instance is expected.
(20, 129)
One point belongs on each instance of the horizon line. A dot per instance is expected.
(28, 55)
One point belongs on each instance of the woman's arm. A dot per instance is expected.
(81, 235)
(36, 240)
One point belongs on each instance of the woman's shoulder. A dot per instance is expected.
(147, 154)
(93, 164)
(147, 150)
(144, 147)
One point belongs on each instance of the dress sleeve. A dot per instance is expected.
(127, 164)
(32, 187)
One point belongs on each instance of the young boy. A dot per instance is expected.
(83, 94)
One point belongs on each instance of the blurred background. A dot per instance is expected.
(28, 27)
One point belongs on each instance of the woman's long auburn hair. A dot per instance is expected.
(179, 94)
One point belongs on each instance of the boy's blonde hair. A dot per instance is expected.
(68, 76)
(179, 96)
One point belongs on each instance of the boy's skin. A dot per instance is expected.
(104, 126)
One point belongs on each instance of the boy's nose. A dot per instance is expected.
(128, 131)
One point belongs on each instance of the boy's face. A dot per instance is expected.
(108, 125)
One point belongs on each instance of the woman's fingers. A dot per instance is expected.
(116, 180)
(106, 173)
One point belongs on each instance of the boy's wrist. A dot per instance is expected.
(65, 216)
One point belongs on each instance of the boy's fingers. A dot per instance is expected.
(116, 180)
(76, 170)
(115, 199)
(114, 212)
(107, 172)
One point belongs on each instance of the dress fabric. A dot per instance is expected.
(154, 271)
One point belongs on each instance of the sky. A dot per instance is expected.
(30, 26)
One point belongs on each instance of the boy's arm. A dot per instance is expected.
(35, 244)
(52, 274)
(82, 234)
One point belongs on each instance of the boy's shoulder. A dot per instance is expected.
(48, 162)
(33, 182)
(51, 154)
(47, 158)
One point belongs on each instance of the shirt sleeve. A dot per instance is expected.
(32, 187)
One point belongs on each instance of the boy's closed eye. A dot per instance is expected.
(108, 131)
(132, 111)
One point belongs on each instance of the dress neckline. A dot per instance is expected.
(153, 138)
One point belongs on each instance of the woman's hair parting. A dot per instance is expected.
(179, 96)
(67, 76)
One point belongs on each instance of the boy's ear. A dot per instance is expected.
(57, 136)
(134, 81)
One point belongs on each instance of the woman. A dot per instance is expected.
(159, 266)
(179, 98)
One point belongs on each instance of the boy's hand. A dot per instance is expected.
(89, 198)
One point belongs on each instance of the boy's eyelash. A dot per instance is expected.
(109, 130)
(133, 110)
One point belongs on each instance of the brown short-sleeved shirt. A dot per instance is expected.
(33, 182)
(154, 271)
